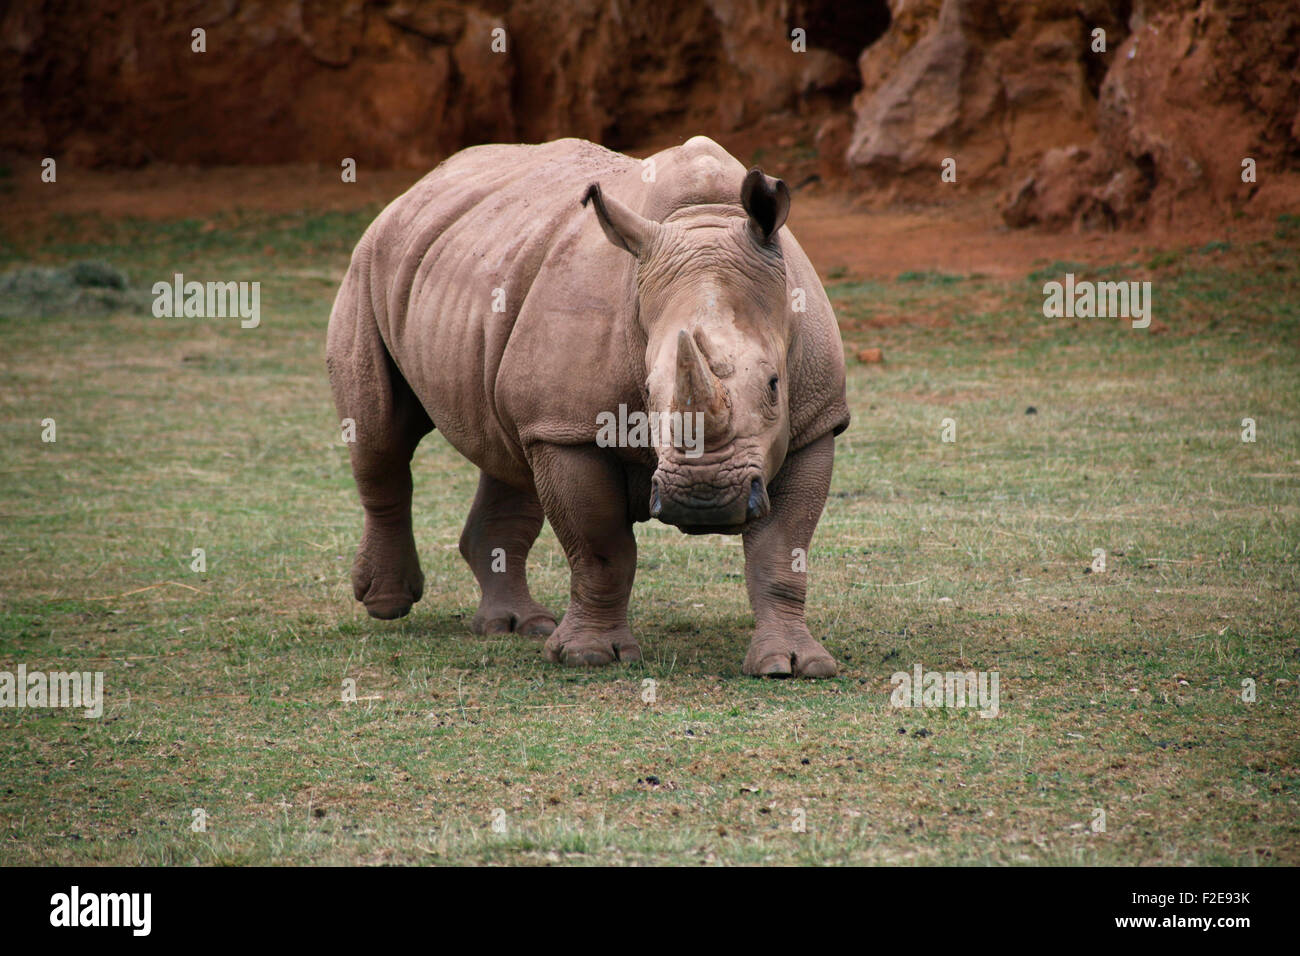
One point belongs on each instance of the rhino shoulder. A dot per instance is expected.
(818, 398)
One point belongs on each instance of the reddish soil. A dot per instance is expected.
(965, 235)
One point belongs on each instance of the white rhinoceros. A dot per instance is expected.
(522, 298)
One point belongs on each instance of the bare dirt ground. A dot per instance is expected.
(841, 235)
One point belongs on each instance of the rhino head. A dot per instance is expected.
(712, 302)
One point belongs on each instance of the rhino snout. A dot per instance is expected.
(707, 508)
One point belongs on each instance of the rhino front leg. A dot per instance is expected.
(782, 644)
(499, 533)
(583, 492)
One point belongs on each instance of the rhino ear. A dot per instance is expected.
(767, 201)
(622, 226)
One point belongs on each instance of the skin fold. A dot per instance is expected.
(517, 293)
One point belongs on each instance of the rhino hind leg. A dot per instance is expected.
(389, 423)
(386, 575)
(502, 526)
(584, 494)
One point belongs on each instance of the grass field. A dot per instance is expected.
(1121, 691)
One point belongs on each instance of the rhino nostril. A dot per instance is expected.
(759, 505)
(656, 506)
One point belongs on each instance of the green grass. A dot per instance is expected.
(1120, 691)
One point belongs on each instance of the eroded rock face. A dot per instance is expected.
(1155, 128)
(405, 83)
(991, 84)
(1195, 90)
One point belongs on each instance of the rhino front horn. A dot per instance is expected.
(694, 391)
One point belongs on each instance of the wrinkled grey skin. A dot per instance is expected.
(676, 294)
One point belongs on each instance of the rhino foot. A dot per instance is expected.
(531, 620)
(788, 654)
(387, 589)
(588, 647)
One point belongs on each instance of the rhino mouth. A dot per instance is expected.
(704, 508)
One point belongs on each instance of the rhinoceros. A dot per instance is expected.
(518, 298)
